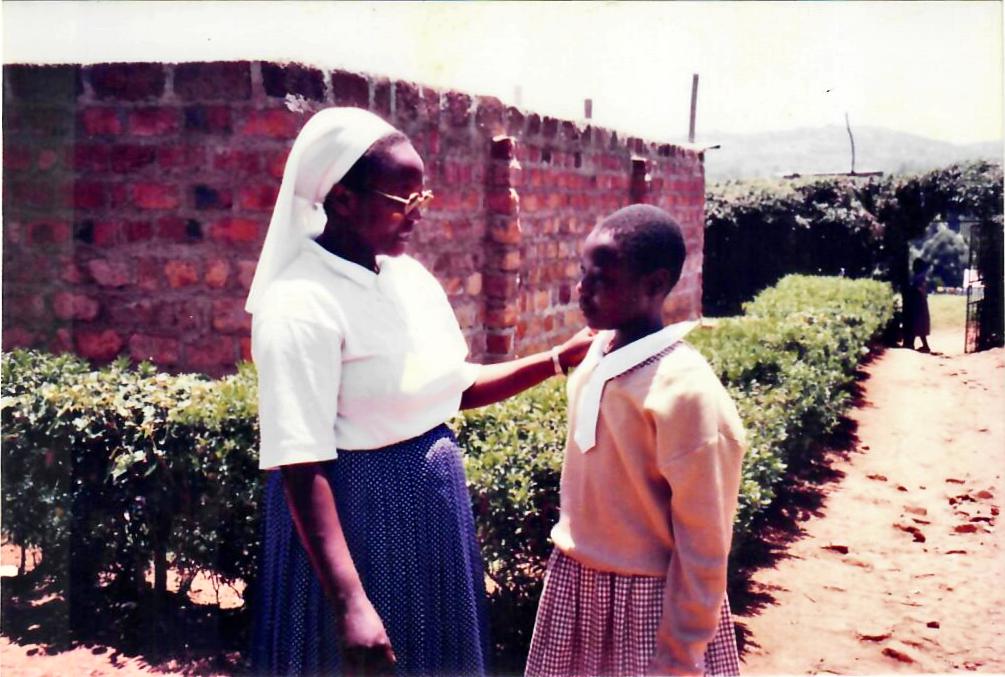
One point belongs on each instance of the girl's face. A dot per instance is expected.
(611, 295)
(379, 221)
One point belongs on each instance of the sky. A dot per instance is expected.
(928, 68)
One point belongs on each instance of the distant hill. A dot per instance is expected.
(826, 149)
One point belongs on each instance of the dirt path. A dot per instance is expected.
(900, 568)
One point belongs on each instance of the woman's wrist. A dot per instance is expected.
(556, 360)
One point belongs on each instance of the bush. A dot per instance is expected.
(118, 467)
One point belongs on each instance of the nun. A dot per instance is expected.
(369, 562)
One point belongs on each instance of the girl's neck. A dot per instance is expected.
(635, 330)
(342, 243)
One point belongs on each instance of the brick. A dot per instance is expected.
(542, 300)
(407, 100)
(350, 89)
(127, 81)
(48, 233)
(69, 306)
(212, 354)
(490, 114)
(52, 84)
(210, 197)
(215, 80)
(89, 157)
(515, 121)
(246, 273)
(18, 337)
(181, 273)
(217, 273)
(137, 231)
(27, 309)
(46, 121)
(258, 198)
(505, 230)
(275, 163)
(99, 345)
(160, 350)
(549, 127)
(382, 97)
(155, 196)
(181, 157)
(229, 316)
(47, 159)
(504, 202)
(473, 284)
(237, 161)
(235, 230)
(129, 159)
(294, 78)
(458, 108)
(501, 285)
(182, 317)
(179, 229)
(246, 348)
(208, 119)
(149, 274)
(110, 273)
(501, 318)
(499, 344)
(276, 123)
(72, 273)
(97, 233)
(16, 158)
(154, 121)
(95, 121)
(88, 195)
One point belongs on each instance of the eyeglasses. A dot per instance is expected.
(412, 202)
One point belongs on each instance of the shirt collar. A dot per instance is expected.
(606, 367)
(343, 267)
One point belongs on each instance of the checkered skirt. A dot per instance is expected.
(598, 623)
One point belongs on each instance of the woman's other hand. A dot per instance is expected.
(572, 352)
(366, 648)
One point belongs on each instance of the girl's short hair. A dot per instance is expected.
(649, 239)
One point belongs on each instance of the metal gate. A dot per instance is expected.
(975, 293)
(985, 317)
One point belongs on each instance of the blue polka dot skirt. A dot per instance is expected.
(406, 514)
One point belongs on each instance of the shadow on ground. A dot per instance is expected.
(801, 495)
(174, 634)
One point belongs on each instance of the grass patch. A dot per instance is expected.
(947, 311)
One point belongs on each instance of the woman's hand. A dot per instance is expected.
(366, 649)
(572, 352)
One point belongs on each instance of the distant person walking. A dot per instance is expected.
(917, 322)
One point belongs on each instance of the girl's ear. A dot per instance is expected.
(340, 202)
(657, 283)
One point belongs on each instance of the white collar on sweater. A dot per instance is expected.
(606, 367)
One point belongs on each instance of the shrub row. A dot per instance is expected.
(106, 471)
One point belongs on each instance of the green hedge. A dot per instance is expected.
(120, 467)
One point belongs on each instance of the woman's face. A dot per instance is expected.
(380, 222)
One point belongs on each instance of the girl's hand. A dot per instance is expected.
(572, 352)
(366, 649)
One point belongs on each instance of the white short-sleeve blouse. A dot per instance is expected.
(350, 359)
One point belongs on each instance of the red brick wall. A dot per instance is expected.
(136, 197)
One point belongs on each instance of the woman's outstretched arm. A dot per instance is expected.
(497, 382)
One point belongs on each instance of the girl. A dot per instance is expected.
(636, 583)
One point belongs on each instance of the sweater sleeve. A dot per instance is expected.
(704, 483)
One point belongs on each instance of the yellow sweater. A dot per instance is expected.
(657, 494)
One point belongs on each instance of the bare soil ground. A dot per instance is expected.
(887, 556)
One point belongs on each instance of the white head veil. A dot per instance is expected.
(326, 148)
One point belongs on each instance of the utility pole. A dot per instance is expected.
(694, 106)
(588, 108)
(852, 139)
